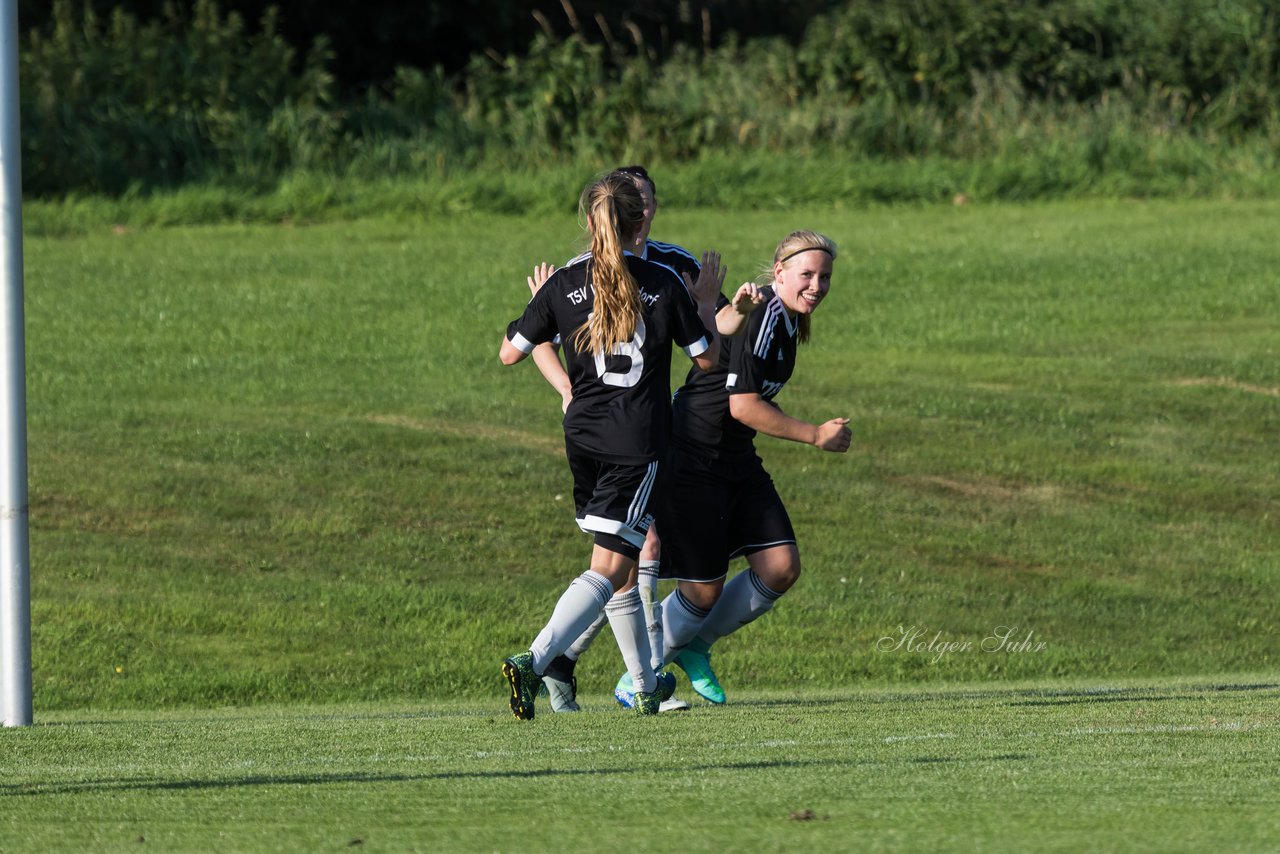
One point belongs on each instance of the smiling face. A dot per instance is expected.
(802, 281)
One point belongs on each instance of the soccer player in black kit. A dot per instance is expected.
(617, 317)
(716, 501)
(559, 680)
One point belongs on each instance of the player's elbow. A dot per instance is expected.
(509, 354)
(746, 409)
(707, 360)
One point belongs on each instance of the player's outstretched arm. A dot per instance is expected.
(731, 319)
(764, 417)
(547, 358)
(541, 273)
(704, 292)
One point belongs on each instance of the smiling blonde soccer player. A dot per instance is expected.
(712, 463)
(617, 317)
(559, 679)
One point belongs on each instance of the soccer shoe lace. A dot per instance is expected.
(523, 682)
(697, 665)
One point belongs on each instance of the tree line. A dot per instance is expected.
(371, 38)
(119, 102)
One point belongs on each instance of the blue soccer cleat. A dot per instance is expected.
(697, 666)
(625, 693)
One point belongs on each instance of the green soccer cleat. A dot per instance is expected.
(647, 703)
(523, 682)
(625, 692)
(697, 666)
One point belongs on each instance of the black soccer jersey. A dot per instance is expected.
(621, 410)
(758, 361)
(676, 257)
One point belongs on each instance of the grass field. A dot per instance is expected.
(1155, 766)
(288, 513)
(274, 464)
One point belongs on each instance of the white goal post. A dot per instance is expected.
(15, 576)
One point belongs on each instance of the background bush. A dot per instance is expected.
(112, 105)
(1042, 98)
(372, 38)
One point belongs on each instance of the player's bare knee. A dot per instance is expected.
(780, 576)
(702, 595)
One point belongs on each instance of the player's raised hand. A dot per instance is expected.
(710, 279)
(541, 273)
(834, 435)
(747, 299)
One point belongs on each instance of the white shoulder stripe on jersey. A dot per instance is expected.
(764, 337)
(671, 247)
(674, 272)
(674, 248)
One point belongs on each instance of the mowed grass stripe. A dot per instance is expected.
(1149, 765)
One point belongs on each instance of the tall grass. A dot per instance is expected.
(1076, 96)
(1104, 167)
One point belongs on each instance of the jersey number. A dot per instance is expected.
(630, 349)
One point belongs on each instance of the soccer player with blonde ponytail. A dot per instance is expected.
(617, 316)
(561, 684)
(617, 299)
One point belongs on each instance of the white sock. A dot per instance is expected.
(648, 584)
(745, 598)
(681, 620)
(626, 618)
(578, 647)
(579, 605)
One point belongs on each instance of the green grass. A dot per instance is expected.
(1058, 167)
(283, 464)
(1168, 765)
(288, 513)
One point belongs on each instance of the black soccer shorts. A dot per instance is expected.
(711, 511)
(611, 500)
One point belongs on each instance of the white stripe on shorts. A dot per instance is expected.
(626, 529)
(601, 525)
(640, 503)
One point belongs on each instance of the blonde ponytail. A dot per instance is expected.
(615, 211)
